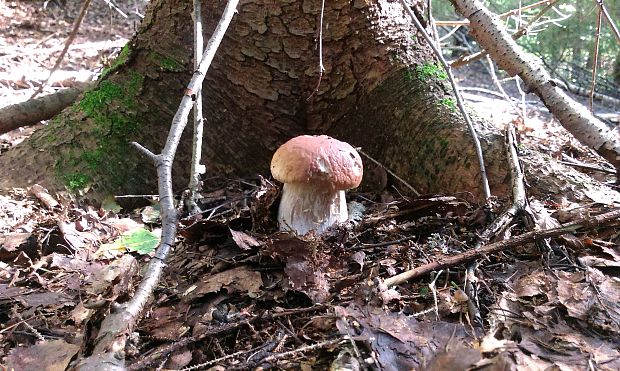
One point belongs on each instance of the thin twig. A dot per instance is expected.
(608, 19)
(196, 168)
(74, 31)
(501, 88)
(117, 326)
(465, 22)
(459, 99)
(464, 257)
(321, 66)
(415, 192)
(597, 38)
(519, 201)
(305, 348)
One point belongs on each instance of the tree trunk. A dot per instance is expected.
(381, 90)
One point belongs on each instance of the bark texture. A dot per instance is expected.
(381, 90)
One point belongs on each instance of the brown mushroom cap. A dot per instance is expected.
(318, 160)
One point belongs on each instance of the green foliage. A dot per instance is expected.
(121, 59)
(139, 240)
(77, 181)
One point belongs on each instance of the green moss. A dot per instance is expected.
(431, 70)
(77, 181)
(120, 60)
(166, 63)
(408, 75)
(112, 108)
(448, 102)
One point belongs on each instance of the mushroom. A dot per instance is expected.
(315, 170)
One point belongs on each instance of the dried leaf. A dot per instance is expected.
(151, 214)
(43, 195)
(244, 240)
(239, 279)
(53, 355)
(13, 243)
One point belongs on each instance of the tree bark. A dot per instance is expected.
(32, 111)
(381, 90)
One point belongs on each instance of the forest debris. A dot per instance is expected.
(592, 297)
(49, 300)
(544, 337)
(11, 244)
(113, 280)
(306, 266)
(244, 240)
(461, 358)
(53, 355)
(239, 279)
(399, 342)
(43, 195)
(449, 261)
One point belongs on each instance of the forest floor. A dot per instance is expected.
(239, 295)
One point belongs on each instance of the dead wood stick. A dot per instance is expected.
(32, 111)
(519, 203)
(464, 257)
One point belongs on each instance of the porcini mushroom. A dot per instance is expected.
(315, 170)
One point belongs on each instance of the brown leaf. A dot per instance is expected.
(457, 359)
(244, 240)
(53, 355)
(240, 279)
(12, 243)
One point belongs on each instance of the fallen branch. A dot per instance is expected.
(465, 22)
(108, 352)
(32, 111)
(466, 59)
(467, 256)
(574, 117)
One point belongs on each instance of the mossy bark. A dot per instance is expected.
(380, 90)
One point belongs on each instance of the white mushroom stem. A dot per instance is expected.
(307, 208)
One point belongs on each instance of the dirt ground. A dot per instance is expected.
(238, 294)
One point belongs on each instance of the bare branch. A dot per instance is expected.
(459, 98)
(109, 347)
(597, 39)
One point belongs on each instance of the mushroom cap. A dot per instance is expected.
(318, 160)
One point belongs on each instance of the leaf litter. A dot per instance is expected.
(241, 294)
